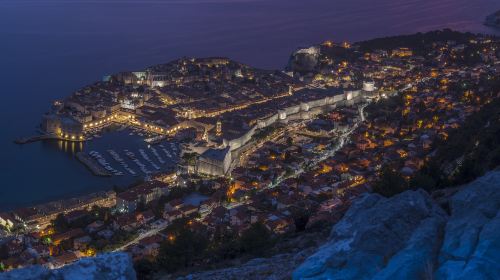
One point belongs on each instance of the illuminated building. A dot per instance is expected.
(218, 129)
(402, 52)
(215, 162)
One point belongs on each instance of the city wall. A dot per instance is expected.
(302, 111)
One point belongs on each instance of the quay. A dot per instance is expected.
(26, 140)
(91, 165)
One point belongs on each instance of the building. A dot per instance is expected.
(145, 193)
(6, 220)
(402, 52)
(214, 162)
(368, 86)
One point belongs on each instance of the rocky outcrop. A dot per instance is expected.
(278, 267)
(493, 20)
(409, 237)
(471, 246)
(113, 266)
(380, 238)
(304, 60)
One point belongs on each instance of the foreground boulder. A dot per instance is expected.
(112, 266)
(409, 237)
(381, 238)
(471, 246)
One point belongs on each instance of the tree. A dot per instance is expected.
(101, 213)
(177, 192)
(423, 181)
(182, 250)
(60, 224)
(224, 244)
(390, 183)
(159, 207)
(190, 158)
(4, 252)
(300, 218)
(144, 269)
(256, 239)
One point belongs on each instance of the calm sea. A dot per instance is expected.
(50, 48)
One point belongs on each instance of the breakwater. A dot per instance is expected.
(92, 165)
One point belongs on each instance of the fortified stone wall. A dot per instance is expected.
(304, 111)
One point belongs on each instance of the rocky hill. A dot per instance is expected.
(493, 20)
(409, 236)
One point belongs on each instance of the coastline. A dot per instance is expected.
(44, 213)
(75, 62)
(96, 170)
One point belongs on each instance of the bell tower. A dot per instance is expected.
(218, 128)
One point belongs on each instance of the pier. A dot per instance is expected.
(30, 139)
(90, 164)
(26, 140)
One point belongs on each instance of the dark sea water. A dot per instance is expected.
(50, 48)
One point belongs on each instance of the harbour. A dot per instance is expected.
(137, 160)
(29, 87)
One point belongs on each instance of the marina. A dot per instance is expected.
(133, 158)
(122, 162)
(146, 157)
(102, 161)
(155, 153)
(91, 165)
(141, 165)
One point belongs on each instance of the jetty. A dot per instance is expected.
(26, 140)
(92, 165)
(30, 139)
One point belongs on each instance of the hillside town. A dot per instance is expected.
(286, 150)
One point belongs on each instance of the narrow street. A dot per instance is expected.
(342, 140)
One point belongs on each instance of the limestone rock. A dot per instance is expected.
(304, 60)
(471, 247)
(278, 267)
(409, 237)
(112, 266)
(381, 238)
